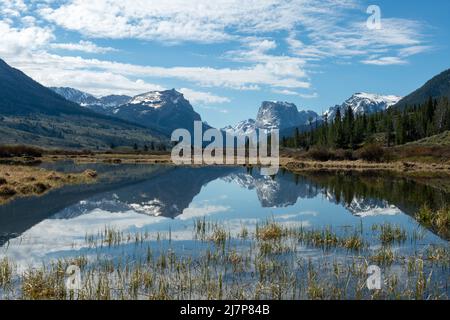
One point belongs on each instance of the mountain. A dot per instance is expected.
(167, 110)
(114, 100)
(77, 96)
(273, 115)
(274, 193)
(282, 115)
(84, 99)
(162, 195)
(364, 103)
(34, 114)
(438, 86)
(243, 128)
(163, 110)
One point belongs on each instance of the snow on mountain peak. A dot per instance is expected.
(88, 100)
(82, 98)
(278, 115)
(363, 102)
(273, 115)
(157, 99)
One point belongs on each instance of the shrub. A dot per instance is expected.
(320, 154)
(40, 187)
(90, 173)
(6, 191)
(20, 151)
(341, 154)
(371, 153)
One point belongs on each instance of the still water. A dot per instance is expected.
(162, 199)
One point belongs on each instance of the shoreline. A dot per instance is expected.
(27, 179)
(286, 162)
(424, 169)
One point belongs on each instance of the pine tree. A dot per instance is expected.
(339, 140)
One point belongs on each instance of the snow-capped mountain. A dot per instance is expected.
(277, 115)
(114, 100)
(273, 115)
(279, 193)
(245, 127)
(85, 99)
(77, 96)
(364, 103)
(167, 110)
(163, 110)
(365, 207)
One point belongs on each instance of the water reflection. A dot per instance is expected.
(159, 198)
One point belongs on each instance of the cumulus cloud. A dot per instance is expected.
(19, 40)
(13, 8)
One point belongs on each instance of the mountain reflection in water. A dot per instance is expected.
(148, 192)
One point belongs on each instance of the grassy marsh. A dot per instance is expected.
(269, 261)
(20, 181)
(438, 220)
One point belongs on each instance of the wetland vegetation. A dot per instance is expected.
(267, 262)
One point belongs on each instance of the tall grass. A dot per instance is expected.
(438, 220)
(270, 262)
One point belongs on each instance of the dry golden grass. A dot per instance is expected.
(20, 181)
(293, 164)
(113, 158)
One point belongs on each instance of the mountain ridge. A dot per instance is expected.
(33, 114)
(364, 103)
(436, 87)
(164, 110)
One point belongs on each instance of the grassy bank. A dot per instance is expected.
(20, 181)
(425, 159)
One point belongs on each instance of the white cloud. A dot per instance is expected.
(294, 93)
(15, 41)
(82, 45)
(12, 8)
(285, 92)
(177, 20)
(397, 37)
(329, 29)
(409, 51)
(220, 110)
(94, 82)
(202, 97)
(256, 51)
(238, 78)
(385, 61)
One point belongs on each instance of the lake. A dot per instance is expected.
(166, 203)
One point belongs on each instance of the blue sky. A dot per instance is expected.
(227, 56)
